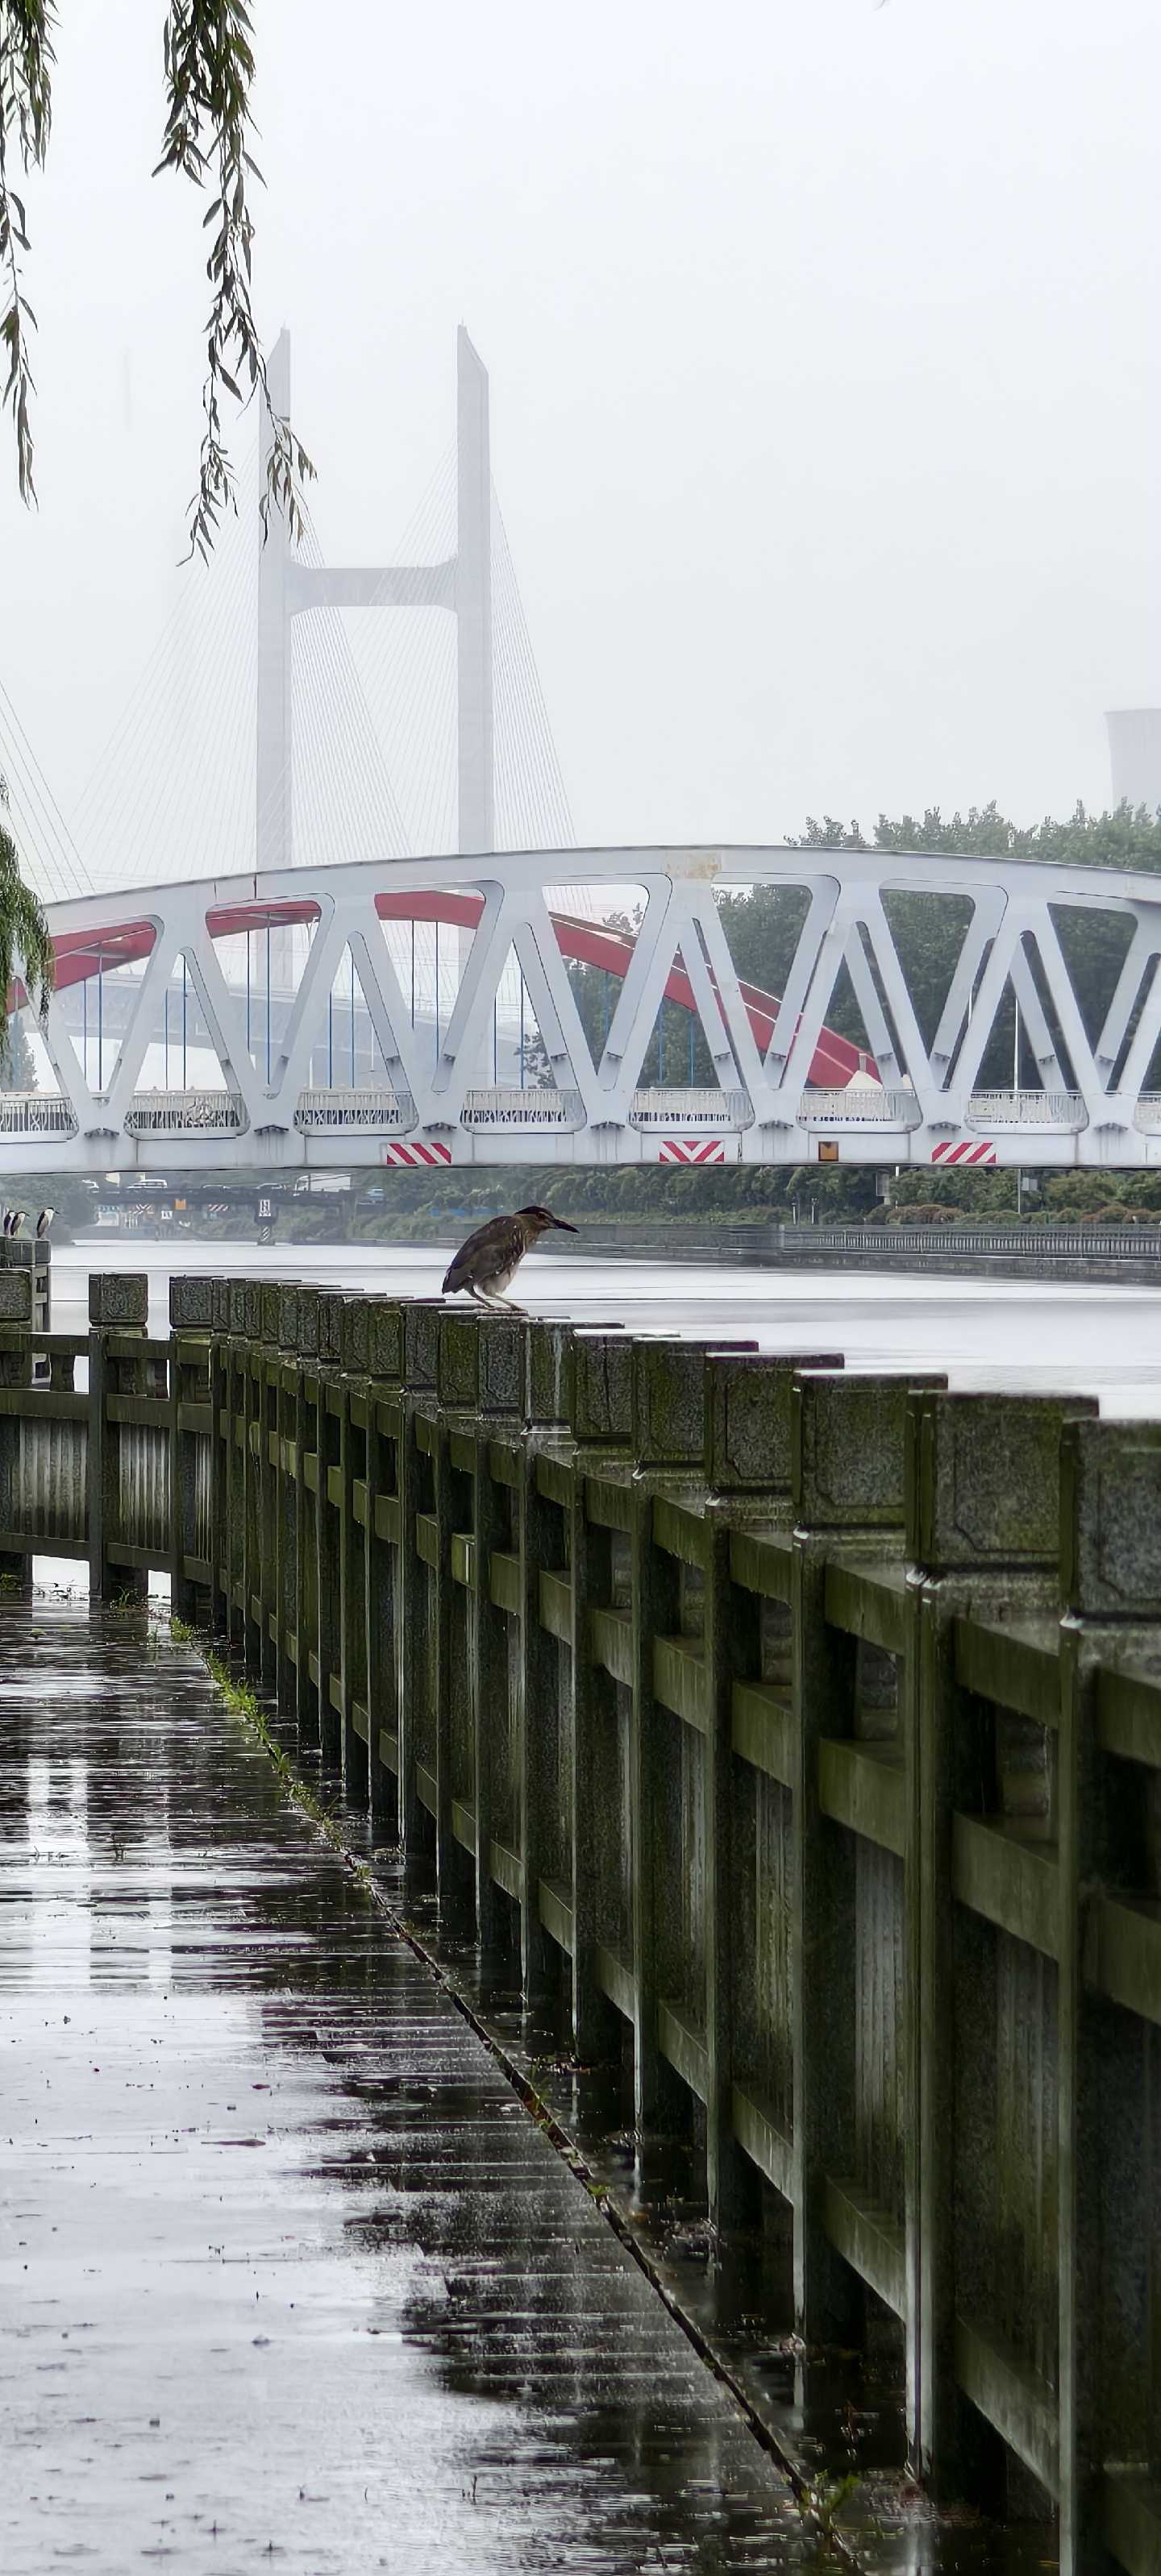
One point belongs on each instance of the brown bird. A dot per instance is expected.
(490, 1258)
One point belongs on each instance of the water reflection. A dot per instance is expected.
(288, 2271)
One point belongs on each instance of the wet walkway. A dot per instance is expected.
(290, 2279)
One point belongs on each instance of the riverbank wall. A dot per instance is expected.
(1129, 1255)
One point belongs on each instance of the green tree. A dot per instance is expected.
(26, 950)
(676, 1054)
(19, 1074)
(928, 929)
(763, 927)
(1094, 943)
(209, 70)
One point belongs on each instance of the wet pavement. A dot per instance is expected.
(290, 2276)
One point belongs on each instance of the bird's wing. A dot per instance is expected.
(461, 1268)
(490, 1253)
(501, 1252)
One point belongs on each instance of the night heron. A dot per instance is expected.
(490, 1258)
(44, 1223)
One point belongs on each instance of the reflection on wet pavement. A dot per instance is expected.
(290, 2278)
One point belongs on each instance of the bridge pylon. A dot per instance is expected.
(462, 585)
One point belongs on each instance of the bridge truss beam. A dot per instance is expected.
(780, 1090)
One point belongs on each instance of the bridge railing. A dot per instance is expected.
(36, 1113)
(859, 1105)
(686, 1112)
(329, 1111)
(1027, 1109)
(361, 1111)
(539, 1106)
(186, 1113)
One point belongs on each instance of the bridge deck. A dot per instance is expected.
(288, 2269)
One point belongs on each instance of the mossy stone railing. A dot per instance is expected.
(805, 1726)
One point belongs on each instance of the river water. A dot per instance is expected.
(1070, 1338)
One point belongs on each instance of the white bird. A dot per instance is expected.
(43, 1223)
(18, 1217)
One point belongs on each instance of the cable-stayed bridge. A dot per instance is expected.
(364, 978)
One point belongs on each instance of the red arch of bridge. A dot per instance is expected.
(80, 954)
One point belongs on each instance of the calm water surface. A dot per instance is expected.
(1097, 1339)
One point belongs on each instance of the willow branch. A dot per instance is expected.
(209, 70)
(26, 61)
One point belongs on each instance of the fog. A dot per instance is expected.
(824, 367)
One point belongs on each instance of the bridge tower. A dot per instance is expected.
(287, 588)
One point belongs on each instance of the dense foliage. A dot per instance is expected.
(928, 930)
(763, 927)
(26, 951)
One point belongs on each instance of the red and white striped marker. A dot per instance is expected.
(965, 1153)
(692, 1149)
(434, 1153)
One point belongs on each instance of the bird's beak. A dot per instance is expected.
(562, 1223)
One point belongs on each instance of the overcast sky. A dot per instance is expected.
(823, 343)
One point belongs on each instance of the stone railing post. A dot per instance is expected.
(191, 1319)
(17, 1317)
(746, 1465)
(332, 1420)
(384, 1381)
(118, 1304)
(847, 1495)
(1110, 1992)
(590, 1377)
(301, 1562)
(416, 1644)
(983, 1478)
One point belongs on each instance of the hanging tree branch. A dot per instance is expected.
(209, 70)
(26, 60)
(209, 67)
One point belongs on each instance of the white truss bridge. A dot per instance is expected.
(252, 1074)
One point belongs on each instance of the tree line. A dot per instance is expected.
(763, 925)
